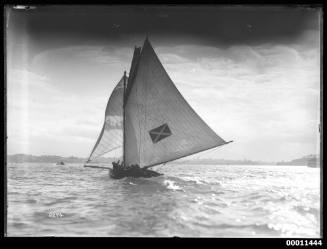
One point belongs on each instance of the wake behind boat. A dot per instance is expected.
(148, 118)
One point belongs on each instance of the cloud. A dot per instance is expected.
(264, 96)
(254, 94)
(38, 111)
(103, 54)
(86, 71)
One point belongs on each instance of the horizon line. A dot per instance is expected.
(244, 159)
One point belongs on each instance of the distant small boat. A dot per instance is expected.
(60, 163)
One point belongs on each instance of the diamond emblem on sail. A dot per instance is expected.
(160, 133)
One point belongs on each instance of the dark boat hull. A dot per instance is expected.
(145, 173)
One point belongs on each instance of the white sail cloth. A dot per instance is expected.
(160, 125)
(111, 136)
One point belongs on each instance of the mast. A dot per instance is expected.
(124, 140)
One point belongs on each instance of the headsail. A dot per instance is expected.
(111, 136)
(160, 125)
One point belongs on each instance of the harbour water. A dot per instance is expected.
(187, 201)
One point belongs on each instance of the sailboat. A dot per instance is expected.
(149, 120)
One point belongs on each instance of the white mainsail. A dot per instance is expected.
(111, 136)
(149, 119)
(160, 126)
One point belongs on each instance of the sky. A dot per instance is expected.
(251, 73)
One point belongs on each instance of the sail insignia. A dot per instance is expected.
(160, 133)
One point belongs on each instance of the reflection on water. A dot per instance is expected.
(188, 200)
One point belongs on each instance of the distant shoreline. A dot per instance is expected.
(21, 158)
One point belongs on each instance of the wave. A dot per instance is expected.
(60, 200)
(172, 185)
(19, 225)
(187, 201)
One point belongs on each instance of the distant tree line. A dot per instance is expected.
(303, 161)
(20, 158)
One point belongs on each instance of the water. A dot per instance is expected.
(188, 201)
